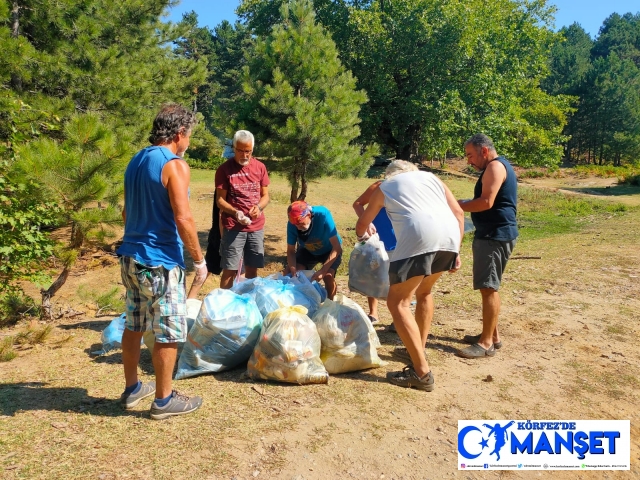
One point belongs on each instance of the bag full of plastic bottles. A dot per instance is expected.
(222, 336)
(288, 349)
(369, 268)
(348, 339)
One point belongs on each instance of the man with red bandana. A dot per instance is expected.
(313, 231)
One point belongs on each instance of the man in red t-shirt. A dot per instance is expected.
(242, 194)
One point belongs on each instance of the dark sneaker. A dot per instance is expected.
(403, 353)
(476, 338)
(373, 319)
(130, 400)
(179, 404)
(476, 351)
(409, 378)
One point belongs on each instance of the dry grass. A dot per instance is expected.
(60, 418)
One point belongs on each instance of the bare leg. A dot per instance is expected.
(226, 279)
(490, 311)
(131, 356)
(424, 306)
(250, 272)
(164, 359)
(330, 284)
(399, 303)
(373, 306)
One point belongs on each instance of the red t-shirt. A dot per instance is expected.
(242, 184)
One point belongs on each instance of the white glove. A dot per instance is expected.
(201, 272)
(364, 237)
(242, 218)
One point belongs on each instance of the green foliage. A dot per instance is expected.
(435, 73)
(14, 305)
(82, 174)
(23, 242)
(302, 102)
(633, 180)
(79, 85)
(605, 76)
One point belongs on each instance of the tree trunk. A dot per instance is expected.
(77, 237)
(294, 186)
(16, 80)
(303, 190)
(50, 292)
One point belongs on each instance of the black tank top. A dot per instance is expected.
(499, 222)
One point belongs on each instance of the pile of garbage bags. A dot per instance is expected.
(277, 291)
(369, 268)
(222, 336)
(348, 339)
(282, 327)
(288, 349)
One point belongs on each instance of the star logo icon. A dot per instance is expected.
(484, 443)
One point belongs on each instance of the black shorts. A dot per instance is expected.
(421, 265)
(309, 260)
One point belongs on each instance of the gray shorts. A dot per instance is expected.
(234, 245)
(489, 261)
(421, 265)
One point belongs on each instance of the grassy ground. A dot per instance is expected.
(570, 327)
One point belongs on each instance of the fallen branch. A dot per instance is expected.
(521, 257)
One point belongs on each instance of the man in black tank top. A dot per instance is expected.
(493, 212)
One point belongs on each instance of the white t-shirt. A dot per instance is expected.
(422, 220)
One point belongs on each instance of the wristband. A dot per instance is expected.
(200, 264)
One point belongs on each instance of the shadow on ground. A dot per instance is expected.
(17, 397)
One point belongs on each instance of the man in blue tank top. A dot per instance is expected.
(157, 223)
(493, 212)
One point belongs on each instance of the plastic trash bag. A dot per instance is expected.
(193, 307)
(111, 336)
(278, 291)
(223, 335)
(288, 349)
(369, 268)
(348, 339)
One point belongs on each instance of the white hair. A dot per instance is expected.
(399, 166)
(243, 136)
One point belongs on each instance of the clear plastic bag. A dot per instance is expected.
(111, 336)
(369, 268)
(223, 335)
(288, 349)
(348, 339)
(278, 291)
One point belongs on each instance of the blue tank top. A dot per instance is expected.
(385, 230)
(499, 222)
(150, 231)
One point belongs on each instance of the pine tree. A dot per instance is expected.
(81, 81)
(303, 102)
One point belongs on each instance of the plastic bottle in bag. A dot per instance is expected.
(348, 339)
(369, 268)
(288, 349)
(223, 335)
